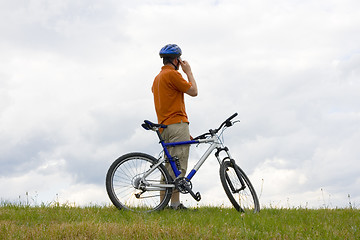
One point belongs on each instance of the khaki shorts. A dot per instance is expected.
(176, 133)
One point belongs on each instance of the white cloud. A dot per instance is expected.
(75, 86)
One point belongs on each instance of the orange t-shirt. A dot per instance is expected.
(168, 89)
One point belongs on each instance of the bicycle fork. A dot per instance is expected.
(233, 164)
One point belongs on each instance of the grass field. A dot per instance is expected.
(99, 222)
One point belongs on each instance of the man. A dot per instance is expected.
(168, 88)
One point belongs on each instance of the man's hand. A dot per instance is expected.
(185, 66)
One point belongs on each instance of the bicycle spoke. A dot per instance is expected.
(124, 183)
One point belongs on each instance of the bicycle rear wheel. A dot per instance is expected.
(238, 188)
(123, 183)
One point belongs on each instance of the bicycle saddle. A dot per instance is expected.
(148, 125)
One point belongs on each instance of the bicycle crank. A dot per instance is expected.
(184, 185)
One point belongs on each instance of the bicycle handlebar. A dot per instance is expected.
(227, 123)
(232, 116)
(229, 120)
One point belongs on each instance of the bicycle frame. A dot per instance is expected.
(215, 144)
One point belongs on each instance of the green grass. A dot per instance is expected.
(95, 222)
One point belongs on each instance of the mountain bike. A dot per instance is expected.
(140, 182)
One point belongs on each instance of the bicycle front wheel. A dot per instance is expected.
(238, 188)
(123, 183)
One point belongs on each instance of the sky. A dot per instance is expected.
(75, 80)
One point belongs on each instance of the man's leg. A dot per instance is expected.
(176, 133)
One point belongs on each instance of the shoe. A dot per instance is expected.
(180, 207)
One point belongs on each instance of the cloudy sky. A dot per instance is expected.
(75, 79)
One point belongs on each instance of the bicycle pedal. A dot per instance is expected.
(197, 196)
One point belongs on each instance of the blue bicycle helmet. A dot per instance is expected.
(171, 51)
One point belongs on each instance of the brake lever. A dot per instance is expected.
(228, 124)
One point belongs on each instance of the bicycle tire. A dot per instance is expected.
(121, 183)
(243, 200)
